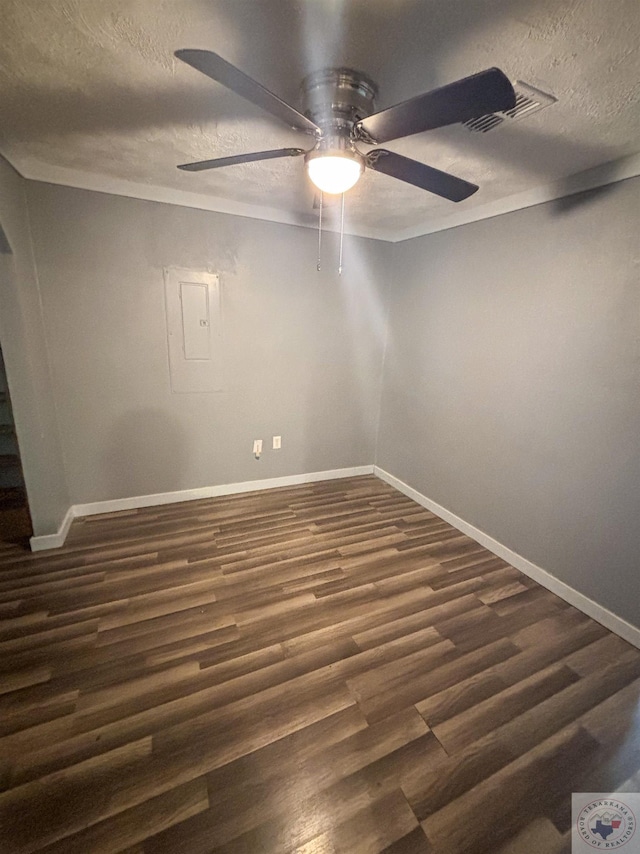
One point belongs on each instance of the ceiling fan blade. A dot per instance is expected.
(221, 71)
(486, 92)
(241, 158)
(420, 175)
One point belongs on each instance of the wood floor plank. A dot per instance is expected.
(575, 705)
(483, 717)
(373, 828)
(324, 669)
(47, 810)
(479, 820)
(14, 681)
(540, 835)
(414, 842)
(255, 808)
(138, 823)
(397, 687)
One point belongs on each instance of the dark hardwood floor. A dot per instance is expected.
(321, 669)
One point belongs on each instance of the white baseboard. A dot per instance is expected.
(602, 615)
(607, 618)
(52, 541)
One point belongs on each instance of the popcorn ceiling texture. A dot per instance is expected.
(91, 88)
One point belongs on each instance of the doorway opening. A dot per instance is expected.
(15, 520)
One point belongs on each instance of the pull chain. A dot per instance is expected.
(320, 230)
(341, 236)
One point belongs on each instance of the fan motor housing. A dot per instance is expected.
(336, 98)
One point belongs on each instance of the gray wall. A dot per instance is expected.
(24, 347)
(511, 390)
(303, 350)
(511, 386)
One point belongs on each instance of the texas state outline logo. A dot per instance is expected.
(605, 823)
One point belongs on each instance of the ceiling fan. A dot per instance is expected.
(339, 114)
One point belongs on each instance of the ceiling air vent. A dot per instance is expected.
(529, 100)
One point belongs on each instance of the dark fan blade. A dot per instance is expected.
(486, 92)
(221, 71)
(241, 158)
(420, 175)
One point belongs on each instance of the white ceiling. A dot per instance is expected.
(91, 96)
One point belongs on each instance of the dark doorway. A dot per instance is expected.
(15, 521)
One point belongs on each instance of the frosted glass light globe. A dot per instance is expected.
(334, 173)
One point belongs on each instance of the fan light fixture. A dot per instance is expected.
(340, 113)
(334, 173)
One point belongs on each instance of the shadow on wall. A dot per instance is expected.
(567, 203)
(5, 248)
(146, 453)
(541, 155)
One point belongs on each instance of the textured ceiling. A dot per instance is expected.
(91, 95)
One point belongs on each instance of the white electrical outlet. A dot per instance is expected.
(257, 448)
(277, 443)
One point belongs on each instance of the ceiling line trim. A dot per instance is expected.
(80, 180)
(598, 176)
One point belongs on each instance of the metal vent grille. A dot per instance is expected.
(484, 123)
(529, 100)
